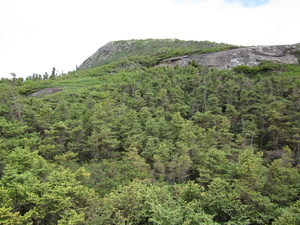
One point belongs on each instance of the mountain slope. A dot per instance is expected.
(151, 52)
(132, 143)
(159, 48)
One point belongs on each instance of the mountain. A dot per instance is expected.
(162, 132)
(158, 48)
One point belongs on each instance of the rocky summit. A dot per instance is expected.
(139, 49)
(223, 56)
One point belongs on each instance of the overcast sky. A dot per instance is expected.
(37, 35)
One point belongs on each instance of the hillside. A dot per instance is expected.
(156, 49)
(136, 142)
(153, 52)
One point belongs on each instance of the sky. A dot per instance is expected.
(37, 35)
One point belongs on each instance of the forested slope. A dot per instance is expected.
(128, 143)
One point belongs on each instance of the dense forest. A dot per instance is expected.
(133, 143)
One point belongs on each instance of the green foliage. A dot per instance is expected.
(109, 174)
(297, 54)
(223, 201)
(30, 87)
(282, 186)
(289, 215)
(252, 176)
(264, 67)
(246, 69)
(128, 143)
(146, 203)
(41, 193)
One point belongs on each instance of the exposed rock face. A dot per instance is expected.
(250, 56)
(103, 53)
(46, 91)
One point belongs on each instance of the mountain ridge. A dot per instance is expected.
(161, 48)
(175, 51)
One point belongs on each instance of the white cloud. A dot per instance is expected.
(38, 35)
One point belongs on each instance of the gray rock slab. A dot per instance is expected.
(250, 56)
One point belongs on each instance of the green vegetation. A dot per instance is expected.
(297, 54)
(127, 143)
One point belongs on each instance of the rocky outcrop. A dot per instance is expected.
(101, 54)
(250, 56)
(173, 59)
(46, 91)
